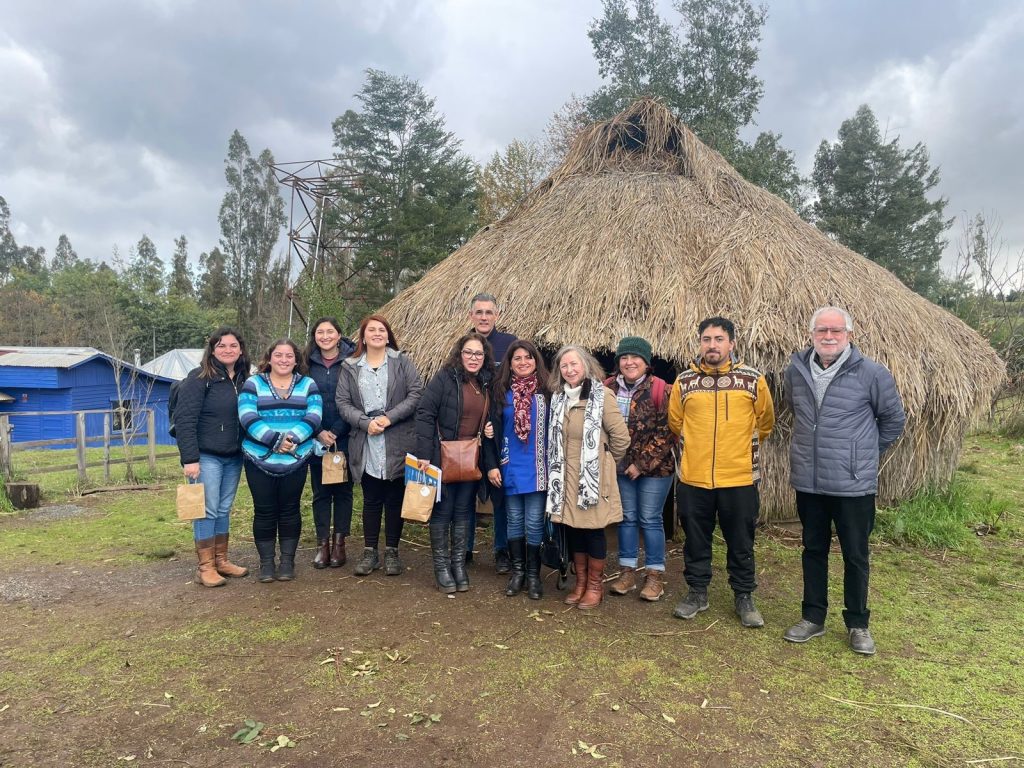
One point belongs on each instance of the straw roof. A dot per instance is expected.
(643, 230)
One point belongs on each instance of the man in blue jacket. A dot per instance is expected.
(846, 414)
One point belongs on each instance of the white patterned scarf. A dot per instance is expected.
(590, 459)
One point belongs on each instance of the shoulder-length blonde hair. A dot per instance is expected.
(591, 367)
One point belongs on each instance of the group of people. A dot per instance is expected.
(569, 447)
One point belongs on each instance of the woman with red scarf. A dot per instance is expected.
(517, 461)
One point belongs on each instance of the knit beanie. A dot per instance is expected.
(634, 345)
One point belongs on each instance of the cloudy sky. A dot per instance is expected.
(115, 114)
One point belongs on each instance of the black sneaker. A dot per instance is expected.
(392, 564)
(747, 611)
(502, 562)
(803, 631)
(368, 563)
(861, 641)
(691, 605)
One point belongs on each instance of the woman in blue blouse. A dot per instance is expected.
(520, 430)
(280, 410)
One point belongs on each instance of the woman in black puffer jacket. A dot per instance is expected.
(454, 407)
(325, 351)
(210, 444)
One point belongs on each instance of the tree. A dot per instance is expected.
(182, 281)
(773, 167)
(65, 256)
(873, 198)
(562, 129)
(414, 201)
(145, 272)
(214, 286)
(8, 246)
(507, 178)
(251, 218)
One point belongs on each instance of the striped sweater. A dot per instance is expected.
(267, 419)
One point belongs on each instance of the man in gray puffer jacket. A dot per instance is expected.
(846, 413)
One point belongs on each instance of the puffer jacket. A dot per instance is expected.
(206, 415)
(836, 448)
(722, 414)
(439, 411)
(327, 382)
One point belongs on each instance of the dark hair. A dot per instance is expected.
(360, 341)
(504, 381)
(717, 322)
(300, 363)
(311, 341)
(454, 360)
(207, 369)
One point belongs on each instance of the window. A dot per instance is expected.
(122, 415)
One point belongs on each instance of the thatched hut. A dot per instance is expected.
(645, 230)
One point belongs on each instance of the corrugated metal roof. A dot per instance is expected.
(47, 357)
(175, 364)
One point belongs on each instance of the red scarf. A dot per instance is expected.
(523, 390)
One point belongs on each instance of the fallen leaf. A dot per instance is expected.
(375, 705)
(168, 695)
(501, 647)
(615, 707)
(340, 709)
(704, 704)
(668, 718)
(329, 660)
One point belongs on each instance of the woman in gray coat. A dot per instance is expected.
(378, 390)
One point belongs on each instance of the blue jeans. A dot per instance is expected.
(526, 516)
(219, 476)
(500, 525)
(643, 502)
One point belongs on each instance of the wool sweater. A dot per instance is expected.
(269, 418)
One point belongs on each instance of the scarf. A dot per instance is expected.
(523, 390)
(822, 377)
(588, 493)
(624, 393)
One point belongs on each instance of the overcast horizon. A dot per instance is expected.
(115, 116)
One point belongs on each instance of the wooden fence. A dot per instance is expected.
(81, 440)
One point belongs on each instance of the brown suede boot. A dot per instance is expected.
(579, 559)
(323, 553)
(337, 550)
(595, 585)
(654, 586)
(626, 582)
(224, 566)
(207, 574)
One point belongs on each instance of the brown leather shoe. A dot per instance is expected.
(220, 558)
(207, 573)
(654, 586)
(323, 553)
(337, 551)
(595, 585)
(626, 582)
(580, 561)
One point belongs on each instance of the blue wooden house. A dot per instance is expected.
(61, 379)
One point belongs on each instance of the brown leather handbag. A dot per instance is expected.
(460, 459)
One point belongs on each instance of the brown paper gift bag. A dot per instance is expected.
(418, 502)
(335, 468)
(191, 501)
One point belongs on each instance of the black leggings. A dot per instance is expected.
(591, 541)
(275, 503)
(382, 496)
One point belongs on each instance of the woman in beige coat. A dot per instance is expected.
(586, 437)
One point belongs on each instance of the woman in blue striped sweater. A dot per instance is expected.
(280, 410)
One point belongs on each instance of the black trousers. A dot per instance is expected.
(275, 503)
(333, 498)
(854, 519)
(382, 496)
(736, 511)
(592, 541)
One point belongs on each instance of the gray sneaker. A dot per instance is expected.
(861, 641)
(747, 611)
(691, 605)
(368, 563)
(392, 564)
(803, 631)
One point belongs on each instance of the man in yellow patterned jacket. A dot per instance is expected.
(720, 409)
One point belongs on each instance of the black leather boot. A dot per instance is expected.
(460, 535)
(286, 568)
(266, 548)
(442, 558)
(517, 554)
(534, 586)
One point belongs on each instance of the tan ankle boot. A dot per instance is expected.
(207, 573)
(595, 585)
(224, 566)
(654, 586)
(580, 561)
(626, 582)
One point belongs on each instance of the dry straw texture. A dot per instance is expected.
(643, 230)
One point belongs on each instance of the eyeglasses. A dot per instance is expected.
(833, 331)
(471, 353)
